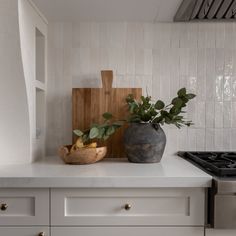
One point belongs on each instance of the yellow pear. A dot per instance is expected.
(79, 143)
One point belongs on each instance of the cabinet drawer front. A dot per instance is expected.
(23, 231)
(24, 207)
(118, 231)
(111, 207)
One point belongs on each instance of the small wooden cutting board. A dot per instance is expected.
(88, 105)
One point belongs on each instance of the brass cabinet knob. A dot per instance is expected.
(42, 234)
(127, 207)
(3, 207)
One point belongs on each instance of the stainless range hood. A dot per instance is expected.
(191, 10)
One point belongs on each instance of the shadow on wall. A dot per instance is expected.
(86, 81)
(59, 122)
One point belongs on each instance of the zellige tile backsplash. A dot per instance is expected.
(160, 58)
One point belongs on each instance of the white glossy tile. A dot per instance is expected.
(192, 139)
(226, 139)
(200, 114)
(229, 36)
(218, 139)
(227, 114)
(84, 34)
(210, 35)
(219, 115)
(148, 35)
(210, 139)
(233, 139)
(200, 140)
(210, 74)
(183, 139)
(210, 114)
(233, 114)
(175, 35)
(219, 80)
(159, 58)
(220, 35)
(117, 34)
(130, 61)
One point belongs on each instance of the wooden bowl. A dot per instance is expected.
(82, 156)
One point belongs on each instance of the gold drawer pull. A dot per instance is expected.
(3, 207)
(127, 207)
(42, 234)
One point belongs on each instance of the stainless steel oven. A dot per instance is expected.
(221, 210)
(222, 204)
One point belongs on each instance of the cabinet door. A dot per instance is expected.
(23, 207)
(24, 231)
(125, 207)
(220, 232)
(118, 231)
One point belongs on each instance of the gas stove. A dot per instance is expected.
(219, 164)
(222, 194)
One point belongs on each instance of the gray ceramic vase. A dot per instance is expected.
(144, 142)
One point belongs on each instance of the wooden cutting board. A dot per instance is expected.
(90, 103)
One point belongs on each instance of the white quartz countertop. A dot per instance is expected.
(172, 171)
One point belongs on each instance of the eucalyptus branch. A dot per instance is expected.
(148, 111)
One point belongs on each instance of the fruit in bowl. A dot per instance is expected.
(86, 149)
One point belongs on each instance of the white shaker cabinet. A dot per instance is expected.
(220, 232)
(25, 231)
(147, 207)
(102, 211)
(132, 231)
(24, 207)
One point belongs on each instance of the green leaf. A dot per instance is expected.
(94, 132)
(182, 92)
(111, 130)
(78, 132)
(130, 98)
(107, 116)
(175, 110)
(118, 124)
(85, 138)
(177, 102)
(105, 137)
(101, 133)
(190, 96)
(132, 107)
(158, 120)
(159, 105)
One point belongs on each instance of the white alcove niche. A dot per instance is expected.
(40, 96)
(40, 55)
(40, 107)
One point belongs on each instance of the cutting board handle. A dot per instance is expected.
(107, 79)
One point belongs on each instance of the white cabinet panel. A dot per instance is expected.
(24, 207)
(220, 232)
(118, 231)
(80, 207)
(24, 231)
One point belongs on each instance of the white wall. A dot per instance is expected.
(29, 19)
(14, 114)
(158, 57)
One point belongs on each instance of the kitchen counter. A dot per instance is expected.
(172, 171)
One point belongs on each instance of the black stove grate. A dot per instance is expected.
(221, 164)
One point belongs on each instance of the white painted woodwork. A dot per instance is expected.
(109, 10)
(24, 231)
(25, 207)
(220, 232)
(118, 231)
(81, 207)
(33, 39)
(14, 111)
